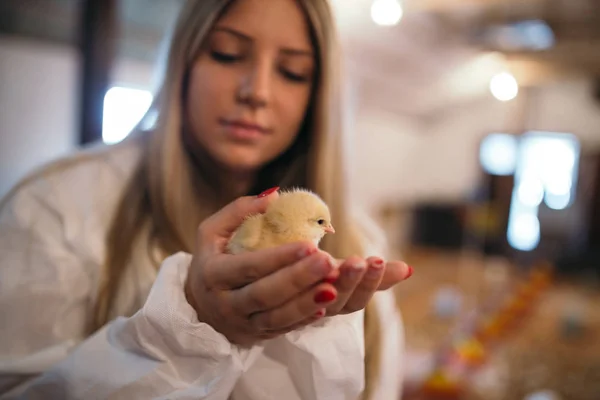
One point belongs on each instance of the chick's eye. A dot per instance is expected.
(321, 221)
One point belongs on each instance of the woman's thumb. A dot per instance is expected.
(229, 218)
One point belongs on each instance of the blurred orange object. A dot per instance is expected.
(440, 386)
(489, 331)
(540, 279)
(516, 306)
(526, 291)
(472, 351)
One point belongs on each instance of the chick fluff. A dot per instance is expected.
(296, 215)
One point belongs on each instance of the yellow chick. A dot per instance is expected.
(297, 215)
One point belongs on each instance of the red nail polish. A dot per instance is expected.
(268, 192)
(320, 313)
(378, 261)
(324, 296)
(330, 279)
(305, 252)
(410, 272)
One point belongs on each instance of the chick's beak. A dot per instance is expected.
(329, 229)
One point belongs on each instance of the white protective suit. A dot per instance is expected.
(52, 243)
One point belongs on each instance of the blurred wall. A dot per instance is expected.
(39, 101)
(568, 107)
(400, 160)
(38, 85)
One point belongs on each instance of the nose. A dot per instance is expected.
(255, 87)
(329, 229)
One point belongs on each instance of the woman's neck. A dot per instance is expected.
(233, 185)
(226, 185)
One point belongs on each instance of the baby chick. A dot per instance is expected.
(297, 215)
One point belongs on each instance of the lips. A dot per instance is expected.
(244, 130)
(245, 125)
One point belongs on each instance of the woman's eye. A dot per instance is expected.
(294, 77)
(225, 57)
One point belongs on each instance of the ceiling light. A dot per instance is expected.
(504, 86)
(386, 12)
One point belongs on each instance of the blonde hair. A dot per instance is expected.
(169, 194)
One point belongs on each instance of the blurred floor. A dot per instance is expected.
(548, 341)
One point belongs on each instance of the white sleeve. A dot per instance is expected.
(390, 381)
(326, 360)
(322, 361)
(160, 352)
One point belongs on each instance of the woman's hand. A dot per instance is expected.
(256, 295)
(358, 280)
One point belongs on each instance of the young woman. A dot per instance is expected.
(113, 278)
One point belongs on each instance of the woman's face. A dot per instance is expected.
(250, 87)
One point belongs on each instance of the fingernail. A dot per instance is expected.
(378, 262)
(268, 192)
(356, 270)
(305, 252)
(321, 266)
(320, 313)
(374, 270)
(332, 277)
(324, 296)
(410, 272)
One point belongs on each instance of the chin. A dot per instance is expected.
(242, 160)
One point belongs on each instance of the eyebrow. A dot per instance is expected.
(297, 52)
(247, 38)
(233, 32)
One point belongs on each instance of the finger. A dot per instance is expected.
(223, 223)
(310, 320)
(350, 275)
(395, 271)
(367, 287)
(314, 318)
(283, 285)
(227, 271)
(297, 310)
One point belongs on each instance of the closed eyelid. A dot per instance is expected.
(247, 38)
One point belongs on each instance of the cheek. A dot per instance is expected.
(292, 106)
(206, 92)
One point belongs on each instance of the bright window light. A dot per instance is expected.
(504, 86)
(546, 171)
(386, 12)
(559, 184)
(525, 35)
(536, 34)
(554, 157)
(524, 231)
(498, 154)
(557, 201)
(530, 191)
(123, 109)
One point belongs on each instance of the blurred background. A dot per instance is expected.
(475, 143)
